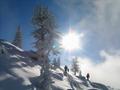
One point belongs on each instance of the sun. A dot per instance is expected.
(72, 41)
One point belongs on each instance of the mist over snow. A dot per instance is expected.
(101, 20)
(106, 72)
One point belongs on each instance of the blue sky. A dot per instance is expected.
(15, 12)
(81, 15)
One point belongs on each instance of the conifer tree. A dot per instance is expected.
(58, 62)
(45, 38)
(18, 38)
(55, 63)
(75, 65)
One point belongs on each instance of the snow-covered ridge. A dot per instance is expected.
(9, 45)
(14, 46)
(19, 72)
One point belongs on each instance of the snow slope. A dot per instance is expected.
(18, 72)
(10, 46)
(15, 70)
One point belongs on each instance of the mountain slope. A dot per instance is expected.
(20, 72)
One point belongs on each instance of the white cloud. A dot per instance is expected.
(100, 17)
(74, 9)
(104, 23)
(107, 72)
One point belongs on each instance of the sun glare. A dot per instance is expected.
(72, 41)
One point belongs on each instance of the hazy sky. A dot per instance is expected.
(99, 20)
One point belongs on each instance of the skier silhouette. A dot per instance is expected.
(88, 76)
(66, 70)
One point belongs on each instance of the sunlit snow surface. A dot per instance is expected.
(17, 73)
(7, 43)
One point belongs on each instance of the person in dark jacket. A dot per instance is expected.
(66, 70)
(88, 76)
